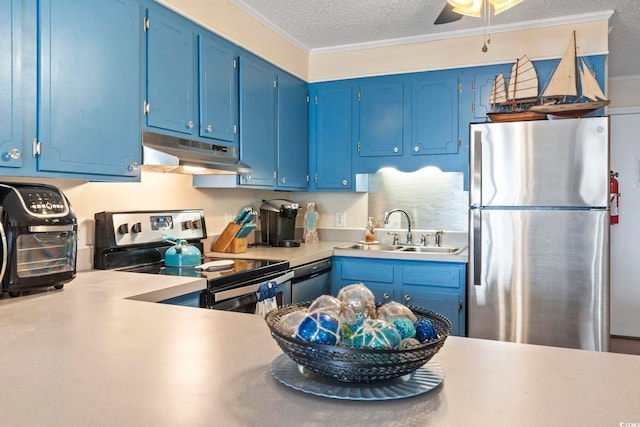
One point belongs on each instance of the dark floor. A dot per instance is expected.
(624, 345)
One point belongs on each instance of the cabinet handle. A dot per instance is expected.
(345, 182)
(416, 148)
(208, 129)
(189, 124)
(407, 298)
(14, 153)
(133, 166)
(396, 149)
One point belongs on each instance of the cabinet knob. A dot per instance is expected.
(133, 166)
(14, 153)
(386, 296)
(189, 124)
(208, 129)
(407, 298)
(416, 148)
(396, 149)
(283, 180)
(345, 182)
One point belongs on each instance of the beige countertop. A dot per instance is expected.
(306, 253)
(91, 355)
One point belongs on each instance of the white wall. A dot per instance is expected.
(625, 269)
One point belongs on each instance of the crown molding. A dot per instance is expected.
(525, 25)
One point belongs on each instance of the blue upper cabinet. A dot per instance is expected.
(258, 81)
(170, 72)
(434, 113)
(332, 135)
(218, 89)
(89, 87)
(11, 149)
(381, 117)
(292, 170)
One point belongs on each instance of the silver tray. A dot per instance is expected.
(422, 380)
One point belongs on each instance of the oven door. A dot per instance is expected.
(244, 296)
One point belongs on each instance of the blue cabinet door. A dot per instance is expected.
(381, 117)
(434, 113)
(442, 302)
(89, 87)
(11, 150)
(292, 133)
(218, 85)
(333, 122)
(170, 73)
(258, 82)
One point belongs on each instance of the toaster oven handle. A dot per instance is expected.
(5, 256)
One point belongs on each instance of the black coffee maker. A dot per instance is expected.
(278, 222)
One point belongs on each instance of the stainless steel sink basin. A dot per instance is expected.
(371, 247)
(452, 250)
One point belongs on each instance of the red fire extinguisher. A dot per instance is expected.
(614, 197)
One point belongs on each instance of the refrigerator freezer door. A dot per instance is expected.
(541, 163)
(540, 277)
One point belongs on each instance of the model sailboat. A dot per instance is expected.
(573, 90)
(512, 103)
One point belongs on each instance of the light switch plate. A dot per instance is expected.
(341, 219)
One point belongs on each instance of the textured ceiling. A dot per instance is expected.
(314, 25)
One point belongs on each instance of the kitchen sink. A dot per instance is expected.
(434, 249)
(371, 247)
(450, 250)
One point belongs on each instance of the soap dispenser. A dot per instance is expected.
(369, 237)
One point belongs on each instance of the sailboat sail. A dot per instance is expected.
(523, 85)
(590, 87)
(499, 91)
(564, 84)
(563, 81)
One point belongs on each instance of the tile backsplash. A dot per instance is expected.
(433, 199)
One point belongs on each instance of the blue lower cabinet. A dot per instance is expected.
(188, 300)
(436, 286)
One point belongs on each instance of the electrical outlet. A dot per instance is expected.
(341, 219)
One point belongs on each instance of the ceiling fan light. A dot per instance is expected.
(467, 7)
(502, 5)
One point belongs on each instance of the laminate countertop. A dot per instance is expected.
(90, 355)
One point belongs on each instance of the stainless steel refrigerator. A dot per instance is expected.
(539, 232)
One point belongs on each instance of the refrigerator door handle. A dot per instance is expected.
(476, 169)
(476, 221)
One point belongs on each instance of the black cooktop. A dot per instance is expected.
(241, 270)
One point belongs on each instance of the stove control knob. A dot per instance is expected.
(136, 228)
(123, 229)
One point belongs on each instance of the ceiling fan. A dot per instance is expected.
(453, 10)
(447, 15)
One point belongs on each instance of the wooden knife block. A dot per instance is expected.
(227, 242)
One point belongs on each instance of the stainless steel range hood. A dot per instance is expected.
(163, 153)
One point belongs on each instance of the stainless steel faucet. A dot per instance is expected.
(409, 236)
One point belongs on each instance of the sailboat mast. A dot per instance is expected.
(576, 65)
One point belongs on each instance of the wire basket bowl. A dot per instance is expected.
(352, 364)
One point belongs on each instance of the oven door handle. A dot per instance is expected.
(249, 289)
(5, 256)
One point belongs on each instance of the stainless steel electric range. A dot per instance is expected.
(134, 241)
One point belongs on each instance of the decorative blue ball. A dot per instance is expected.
(320, 328)
(376, 334)
(405, 327)
(425, 330)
